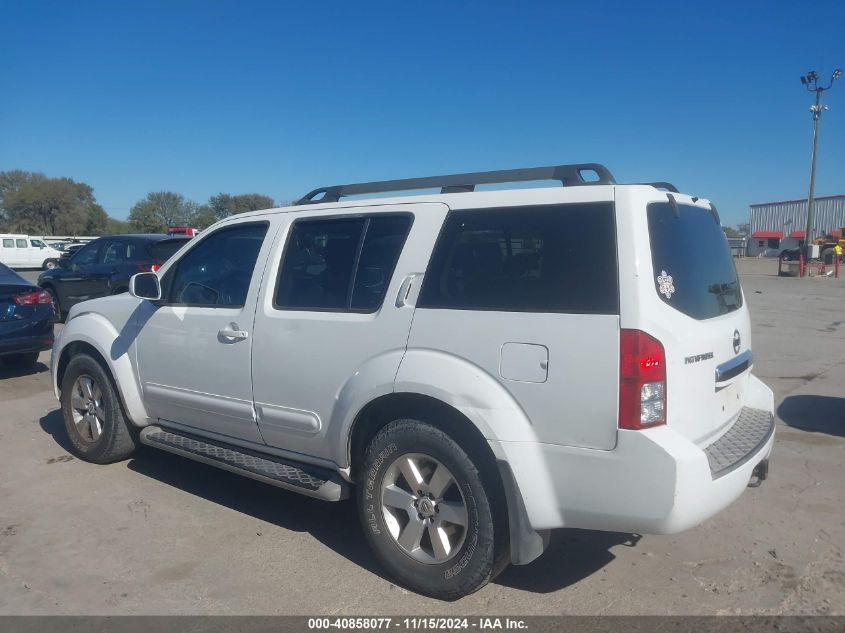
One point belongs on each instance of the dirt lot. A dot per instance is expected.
(160, 535)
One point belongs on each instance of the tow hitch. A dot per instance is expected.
(759, 474)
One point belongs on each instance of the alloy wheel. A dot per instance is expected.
(86, 403)
(424, 508)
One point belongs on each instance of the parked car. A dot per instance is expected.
(104, 266)
(22, 251)
(26, 320)
(470, 366)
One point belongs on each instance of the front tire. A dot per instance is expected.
(425, 511)
(50, 264)
(96, 425)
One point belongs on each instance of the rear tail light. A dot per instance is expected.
(148, 268)
(33, 298)
(154, 268)
(642, 381)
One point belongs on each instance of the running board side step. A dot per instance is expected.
(312, 481)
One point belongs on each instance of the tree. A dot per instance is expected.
(116, 227)
(744, 228)
(50, 207)
(160, 210)
(30, 202)
(203, 217)
(223, 204)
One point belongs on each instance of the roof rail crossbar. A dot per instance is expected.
(666, 186)
(568, 175)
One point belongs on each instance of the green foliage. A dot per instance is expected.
(160, 210)
(30, 202)
(223, 204)
(117, 227)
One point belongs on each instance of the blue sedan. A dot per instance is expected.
(26, 320)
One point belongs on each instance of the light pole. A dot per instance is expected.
(811, 82)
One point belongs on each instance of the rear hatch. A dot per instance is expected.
(704, 322)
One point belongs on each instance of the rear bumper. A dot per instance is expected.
(654, 481)
(23, 336)
(26, 344)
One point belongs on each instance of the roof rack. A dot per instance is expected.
(666, 186)
(568, 175)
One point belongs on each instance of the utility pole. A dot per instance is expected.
(811, 82)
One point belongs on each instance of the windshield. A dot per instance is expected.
(693, 268)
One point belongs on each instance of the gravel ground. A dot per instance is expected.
(159, 535)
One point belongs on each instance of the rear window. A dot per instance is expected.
(164, 250)
(693, 268)
(556, 258)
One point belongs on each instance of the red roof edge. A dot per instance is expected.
(768, 235)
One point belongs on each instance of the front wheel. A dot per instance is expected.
(425, 511)
(96, 425)
(50, 264)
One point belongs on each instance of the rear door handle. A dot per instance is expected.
(232, 333)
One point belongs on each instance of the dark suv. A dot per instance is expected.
(104, 266)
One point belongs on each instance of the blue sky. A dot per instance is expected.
(278, 98)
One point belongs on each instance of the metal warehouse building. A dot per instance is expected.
(776, 226)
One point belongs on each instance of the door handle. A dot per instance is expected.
(232, 333)
(405, 290)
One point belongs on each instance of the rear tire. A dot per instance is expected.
(49, 264)
(96, 425)
(57, 306)
(407, 522)
(21, 361)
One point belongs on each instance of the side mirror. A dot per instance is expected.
(145, 286)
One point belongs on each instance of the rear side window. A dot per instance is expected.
(340, 265)
(21, 243)
(7, 243)
(165, 249)
(693, 268)
(557, 258)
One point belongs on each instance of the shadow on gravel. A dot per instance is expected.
(822, 414)
(333, 524)
(9, 372)
(572, 555)
(54, 425)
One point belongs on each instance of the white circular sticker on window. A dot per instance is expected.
(665, 284)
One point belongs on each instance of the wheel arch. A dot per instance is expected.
(83, 335)
(524, 543)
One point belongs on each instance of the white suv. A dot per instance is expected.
(476, 367)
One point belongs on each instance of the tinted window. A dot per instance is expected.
(559, 258)
(115, 253)
(341, 264)
(86, 255)
(691, 248)
(165, 249)
(7, 243)
(217, 271)
(21, 243)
